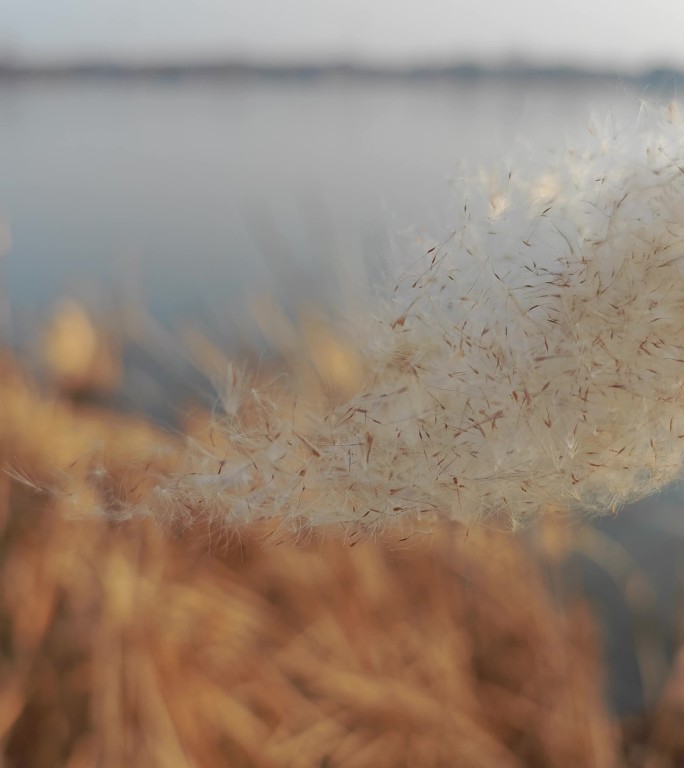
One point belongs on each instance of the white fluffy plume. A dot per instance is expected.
(534, 360)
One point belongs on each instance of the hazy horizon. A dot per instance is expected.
(625, 35)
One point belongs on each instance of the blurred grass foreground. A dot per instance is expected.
(123, 643)
(304, 578)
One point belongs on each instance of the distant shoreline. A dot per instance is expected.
(659, 77)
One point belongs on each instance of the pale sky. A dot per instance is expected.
(614, 33)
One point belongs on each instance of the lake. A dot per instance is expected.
(191, 196)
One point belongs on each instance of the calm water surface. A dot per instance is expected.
(192, 196)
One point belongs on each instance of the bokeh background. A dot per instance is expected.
(165, 167)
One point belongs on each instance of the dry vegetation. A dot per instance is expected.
(123, 645)
(533, 360)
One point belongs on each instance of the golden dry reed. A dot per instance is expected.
(123, 646)
(534, 359)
